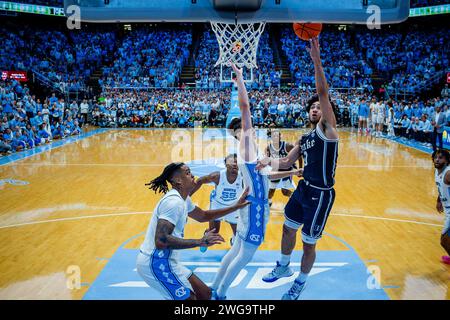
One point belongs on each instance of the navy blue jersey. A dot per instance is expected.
(319, 158)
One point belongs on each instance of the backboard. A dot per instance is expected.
(240, 11)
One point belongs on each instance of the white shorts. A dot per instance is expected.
(165, 275)
(379, 120)
(373, 119)
(282, 184)
(253, 222)
(361, 118)
(231, 218)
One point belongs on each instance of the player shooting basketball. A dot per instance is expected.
(311, 203)
(253, 219)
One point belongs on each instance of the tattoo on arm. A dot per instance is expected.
(165, 240)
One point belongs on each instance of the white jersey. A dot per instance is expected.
(444, 195)
(253, 218)
(173, 208)
(443, 189)
(227, 194)
(372, 110)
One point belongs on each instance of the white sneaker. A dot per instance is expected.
(295, 291)
(278, 272)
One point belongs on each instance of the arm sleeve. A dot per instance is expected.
(171, 209)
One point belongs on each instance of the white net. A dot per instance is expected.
(238, 43)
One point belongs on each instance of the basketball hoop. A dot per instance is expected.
(238, 44)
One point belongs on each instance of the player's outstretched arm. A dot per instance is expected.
(212, 177)
(283, 174)
(328, 119)
(247, 143)
(201, 215)
(165, 240)
(281, 163)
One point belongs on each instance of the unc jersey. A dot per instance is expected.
(444, 195)
(253, 218)
(319, 158)
(160, 268)
(227, 194)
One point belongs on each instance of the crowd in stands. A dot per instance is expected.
(423, 54)
(27, 122)
(381, 49)
(343, 67)
(154, 57)
(148, 58)
(206, 75)
(162, 108)
(65, 61)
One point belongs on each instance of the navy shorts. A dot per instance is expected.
(310, 207)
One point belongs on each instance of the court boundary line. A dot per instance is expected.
(149, 212)
(15, 157)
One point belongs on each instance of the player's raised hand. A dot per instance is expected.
(314, 50)
(262, 163)
(237, 71)
(211, 238)
(242, 202)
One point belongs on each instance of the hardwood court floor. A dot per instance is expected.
(84, 199)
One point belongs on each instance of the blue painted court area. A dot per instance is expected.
(335, 275)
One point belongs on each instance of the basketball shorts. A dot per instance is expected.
(380, 119)
(253, 220)
(373, 119)
(309, 207)
(362, 118)
(232, 217)
(285, 183)
(165, 275)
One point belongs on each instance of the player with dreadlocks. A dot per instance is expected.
(157, 262)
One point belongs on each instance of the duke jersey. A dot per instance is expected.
(226, 194)
(280, 153)
(253, 218)
(319, 158)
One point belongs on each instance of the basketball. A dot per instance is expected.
(307, 31)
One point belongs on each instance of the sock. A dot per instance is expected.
(285, 259)
(302, 277)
